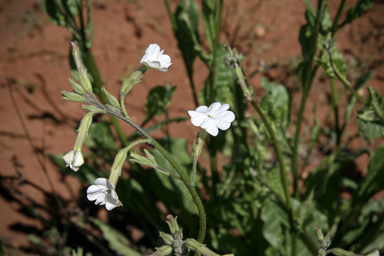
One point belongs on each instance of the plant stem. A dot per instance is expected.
(307, 78)
(183, 176)
(344, 81)
(94, 71)
(283, 174)
(336, 112)
(337, 18)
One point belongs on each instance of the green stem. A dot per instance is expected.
(337, 18)
(165, 153)
(122, 104)
(94, 71)
(336, 112)
(344, 81)
(308, 75)
(82, 27)
(113, 177)
(283, 174)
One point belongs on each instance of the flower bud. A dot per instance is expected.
(76, 87)
(319, 234)
(150, 158)
(167, 238)
(132, 80)
(112, 99)
(136, 158)
(71, 96)
(341, 252)
(162, 251)
(201, 248)
(118, 165)
(90, 108)
(84, 80)
(172, 224)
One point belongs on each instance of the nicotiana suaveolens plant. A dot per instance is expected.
(103, 191)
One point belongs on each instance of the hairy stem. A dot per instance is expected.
(307, 77)
(336, 112)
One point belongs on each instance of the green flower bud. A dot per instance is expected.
(162, 251)
(90, 108)
(341, 252)
(132, 80)
(201, 248)
(319, 234)
(112, 99)
(167, 238)
(71, 96)
(136, 158)
(118, 165)
(150, 157)
(82, 132)
(76, 87)
(172, 224)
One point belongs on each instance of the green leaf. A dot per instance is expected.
(371, 117)
(187, 33)
(337, 60)
(306, 31)
(326, 180)
(358, 10)
(276, 226)
(172, 192)
(116, 240)
(100, 137)
(158, 100)
(89, 29)
(360, 83)
(59, 13)
(209, 11)
(374, 180)
(277, 102)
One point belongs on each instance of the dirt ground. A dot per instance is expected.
(34, 57)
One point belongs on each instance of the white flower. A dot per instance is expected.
(216, 116)
(154, 58)
(104, 193)
(73, 159)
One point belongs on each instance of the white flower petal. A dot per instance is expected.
(104, 193)
(110, 206)
(68, 158)
(74, 159)
(222, 125)
(202, 109)
(165, 60)
(227, 116)
(93, 196)
(221, 109)
(110, 186)
(154, 58)
(100, 200)
(198, 118)
(210, 126)
(212, 119)
(96, 189)
(101, 182)
(153, 51)
(212, 109)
